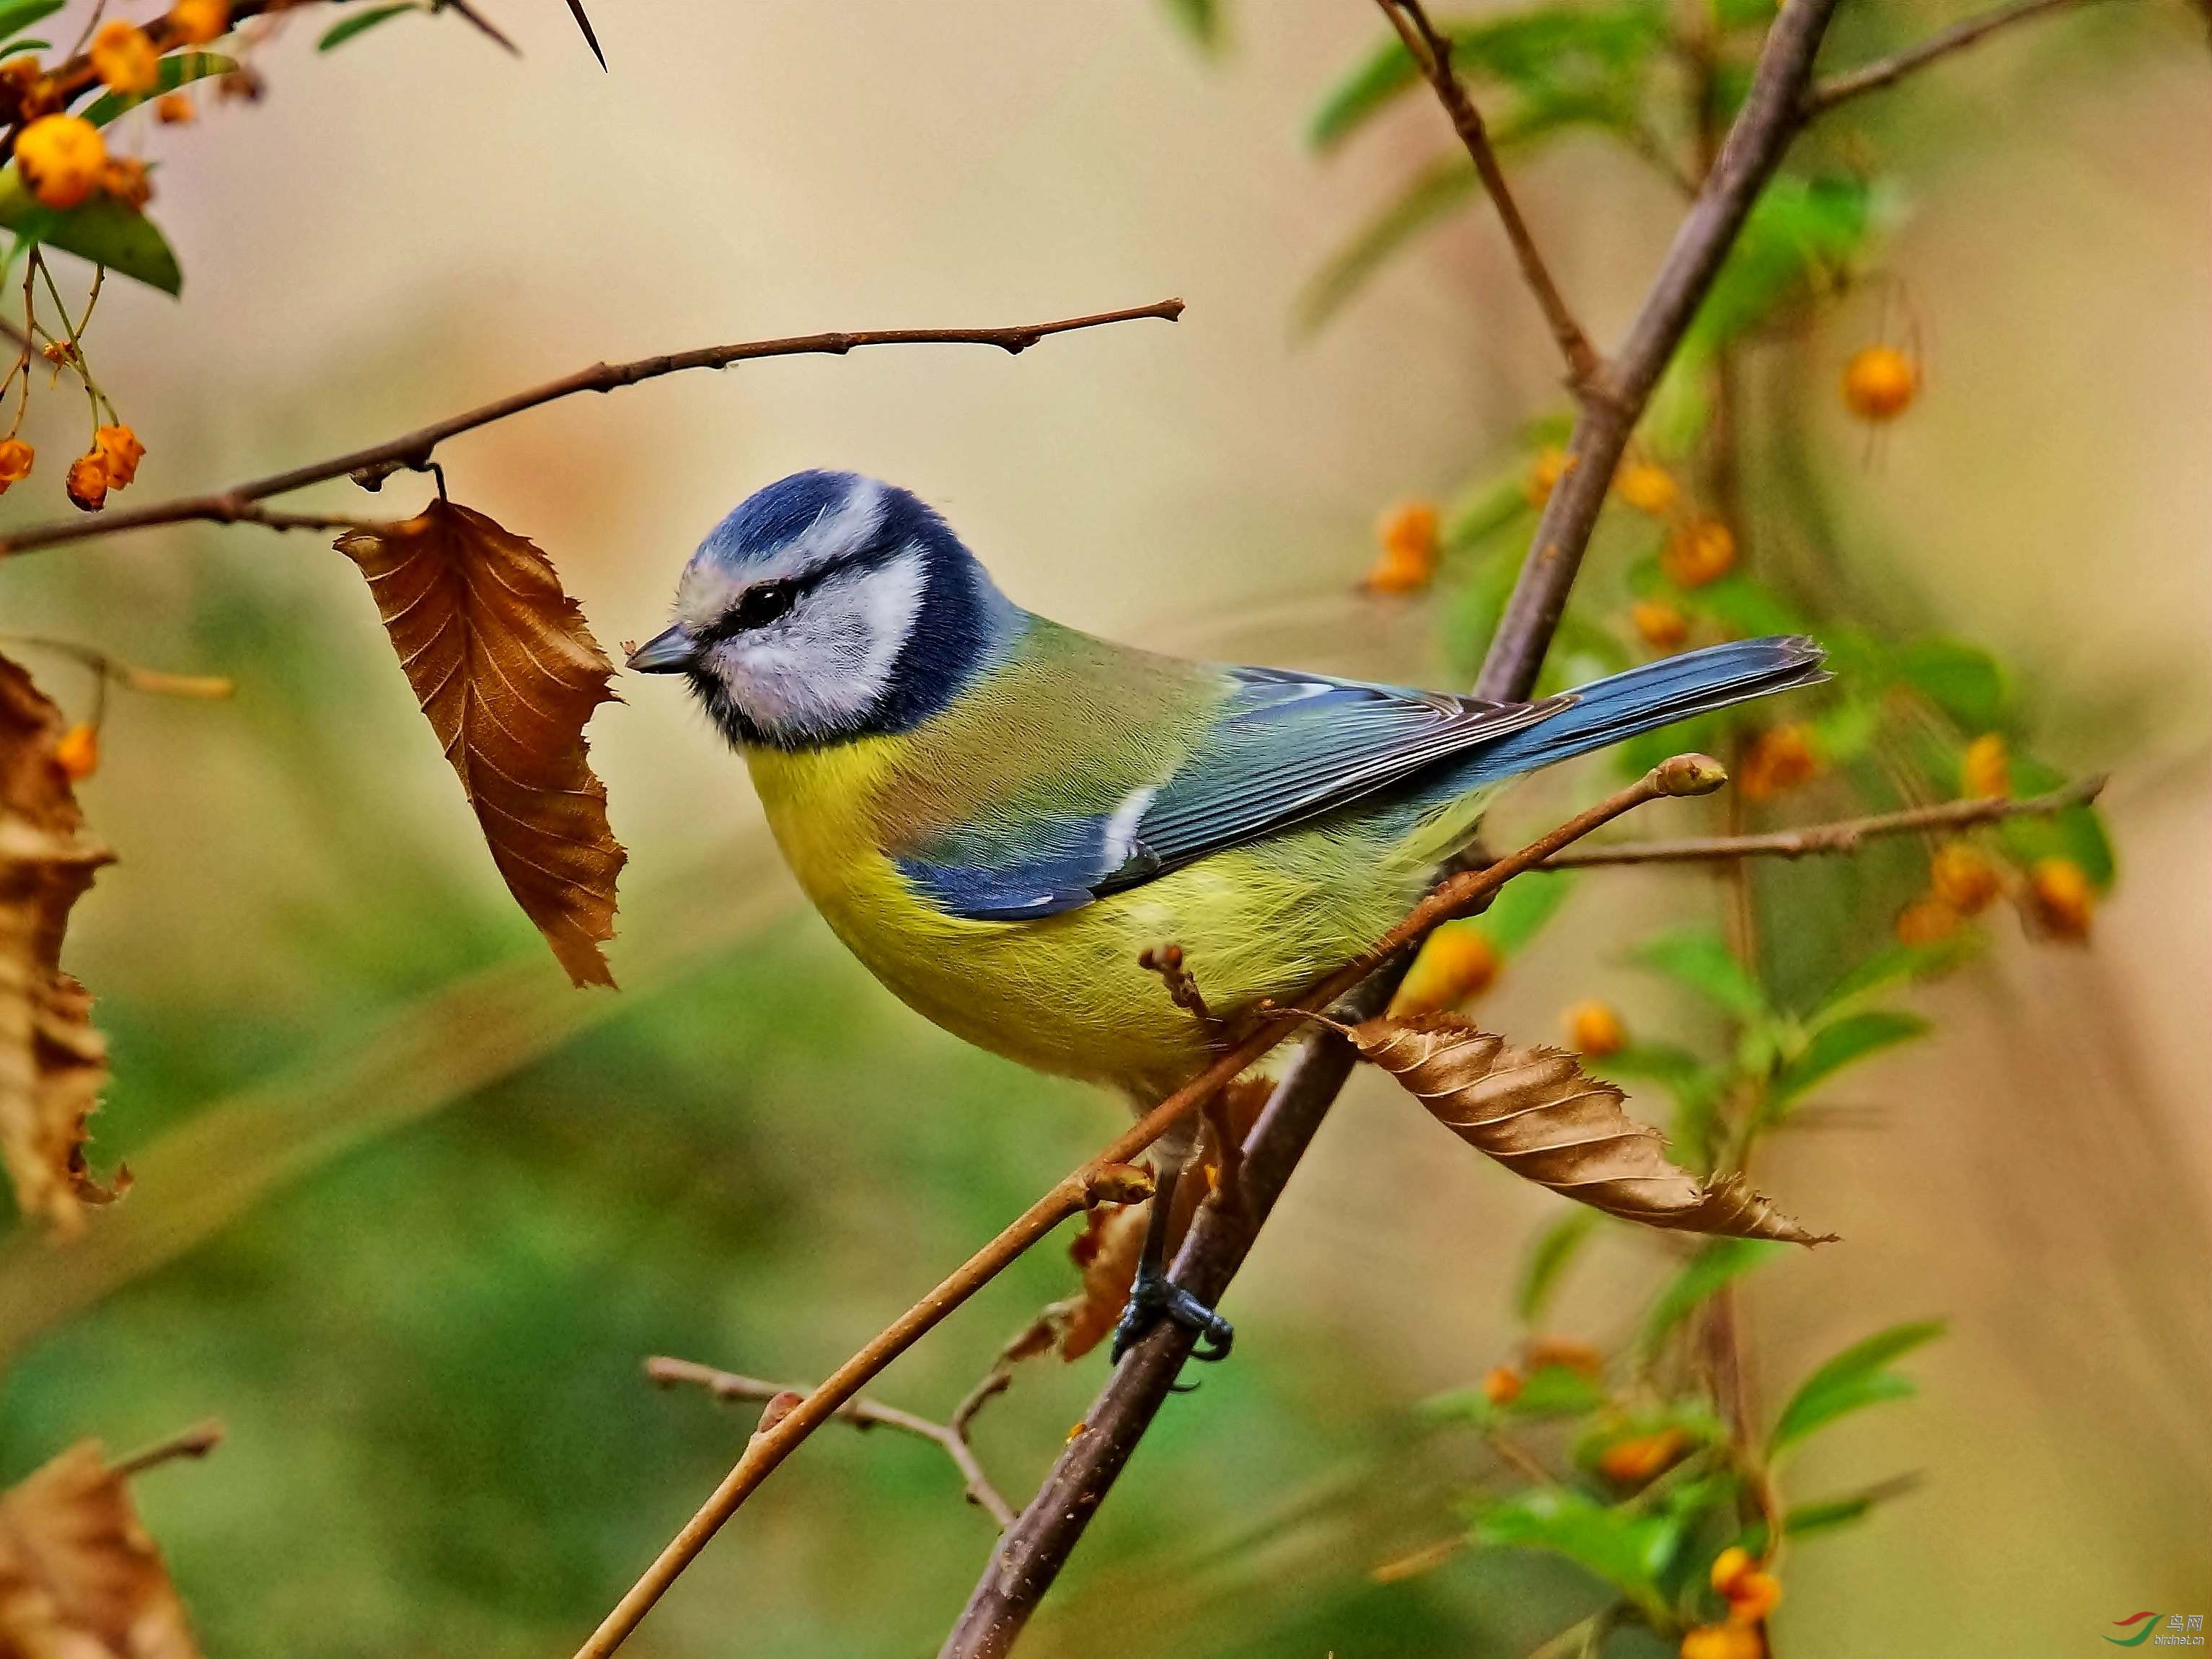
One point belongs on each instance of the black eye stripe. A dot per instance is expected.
(769, 601)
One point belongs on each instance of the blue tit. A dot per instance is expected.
(997, 814)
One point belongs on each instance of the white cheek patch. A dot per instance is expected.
(710, 585)
(821, 668)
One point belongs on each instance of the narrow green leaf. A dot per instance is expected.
(360, 23)
(1840, 1043)
(1825, 1515)
(1697, 957)
(1626, 1550)
(1852, 1380)
(1374, 80)
(1480, 511)
(174, 71)
(1718, 1262)
(1962, 680)
(1521, 908)
(1801, 232)
(101, 229)
(1433, 192)
(1550, 1253)
(19, 14)
(1893, 964)
(1202, 20)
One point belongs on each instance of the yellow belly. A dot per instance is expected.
(1065, 995)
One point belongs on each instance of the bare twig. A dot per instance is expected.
(411, 451)
(1432, 52)
(1108, 1178)
(1167, 961)
(1887, 71)
(196, 1442)
(576, 10)
(861, 1413)
(1844, 835)
(486, 27)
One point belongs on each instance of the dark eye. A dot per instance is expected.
(761, 604)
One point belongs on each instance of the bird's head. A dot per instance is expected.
(829, 606)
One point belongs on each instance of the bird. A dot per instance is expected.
(1000, 815)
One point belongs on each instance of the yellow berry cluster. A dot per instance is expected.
(2055, 894)
(1752, 1594)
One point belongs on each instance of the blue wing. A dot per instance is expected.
(1283, 748)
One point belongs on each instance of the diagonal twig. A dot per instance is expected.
(859, 1411)
(411, 451)
(1432, 54)
(1844, 835)
(1887, 71)
(576, 11)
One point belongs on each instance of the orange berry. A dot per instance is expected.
(1576, 1356)
(1632, 1462)
(1728, 1566)
(1722, 1642)
(198, 22)
(1986, 772)
(120, 452)
(1700, 552)
(1926, 921)
(1779, 759)
(1408, 549)
(1648, 488)
(77, 752)
(1661, 625)
(1961, 875)
(1594, 1029)
(1550, 466)
(1753, 1596)
(1501, 1385)
(126, 179)
(1458, 963)
(124, 57)
(1878, 383)
(174, 109)
(61, 156)
(16, 458)
(2061, 897)
(87, 483)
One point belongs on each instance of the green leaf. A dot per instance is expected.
(174, 71)
(1853, 1379)
(1696, 958)
(360, 23)
(1202, 20)
(1716, 1263)
(1482, 510)
(1891, 965)
(1376, 79)
(1801, 233)
(1627, 1550)
(1840, 1043)
(101, 229)
(1521, 908)
(2077, 833)
(1550, 1253)
(1747, 607)
(1962, 680)
(19, 14)
(1825, 1515)
(1433, 192)
(1557, 1391)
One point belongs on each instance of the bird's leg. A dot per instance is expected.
(1152, 1297)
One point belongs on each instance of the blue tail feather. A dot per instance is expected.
(1654, 695)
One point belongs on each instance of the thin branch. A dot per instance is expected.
(1432, 54)
(861, 1413)
(576, 10)
(196, 1442)
(411, 451)
(1767, 121)
(1842, 837)
(1108, 1178)
(1887, 71)
(485, 27)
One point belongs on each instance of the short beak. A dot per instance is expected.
(664, 654)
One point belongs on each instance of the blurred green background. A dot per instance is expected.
(411, 1212)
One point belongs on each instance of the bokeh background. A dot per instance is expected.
(410, 1212)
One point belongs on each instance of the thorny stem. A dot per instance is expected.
(1432, 54)
(413, 451)
(861, 1413)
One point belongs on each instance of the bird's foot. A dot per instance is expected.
(1152, 1298)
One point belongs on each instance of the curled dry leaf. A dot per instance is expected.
(53, 1063)
(507, 673)
(1107, 1247)
(80, 1578)
(1537, 1112)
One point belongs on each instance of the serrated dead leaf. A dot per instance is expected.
(506, 673)
(1537, 1112)
(1114, 1235)
(53, 1063)
(80, 1577)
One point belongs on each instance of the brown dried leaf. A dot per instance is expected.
(53, 1063)
(80, 1578)
(507, 673)
(1107, 1247)
(1537, 1112)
